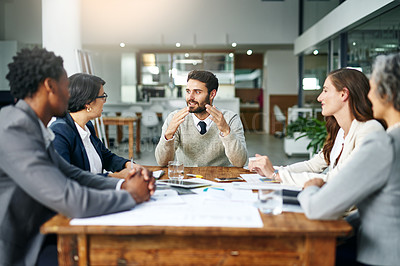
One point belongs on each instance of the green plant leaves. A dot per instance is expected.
(309, 127)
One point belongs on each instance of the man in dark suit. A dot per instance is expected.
(35, 182)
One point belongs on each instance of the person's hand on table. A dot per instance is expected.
(177, 119)
(263, 166)
(319, 182)
(121, 174)
(218, 118)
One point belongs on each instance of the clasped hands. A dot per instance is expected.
(139, 182)
(215, 115)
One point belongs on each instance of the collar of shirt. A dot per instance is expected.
(196, 121)
(96, 165)
(47, 133)
(337, 147)
(393, 127)
(84, 133)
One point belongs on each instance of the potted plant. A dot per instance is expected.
(305, 135)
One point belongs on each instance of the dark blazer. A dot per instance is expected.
(69, 145)
(36, 183)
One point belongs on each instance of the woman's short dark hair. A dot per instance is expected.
(206, 77)
(83, 88)
(29, 68)
(386, 75)
(360, 106)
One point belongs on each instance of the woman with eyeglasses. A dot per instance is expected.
(75, 136)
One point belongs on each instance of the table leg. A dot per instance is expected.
(83, 250)
(107, 137)
(130, 126)
(67, 251)
(138, 135)
(119, 133)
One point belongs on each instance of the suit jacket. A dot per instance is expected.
(69, 145)
(36, 183)
(371, 181)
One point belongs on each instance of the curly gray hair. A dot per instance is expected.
(386, 76)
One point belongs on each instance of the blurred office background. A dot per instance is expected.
(266, 53)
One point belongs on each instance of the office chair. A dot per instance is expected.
(280, 117)
(150, 122)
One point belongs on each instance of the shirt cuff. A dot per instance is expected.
(119, 184)
(168, 140)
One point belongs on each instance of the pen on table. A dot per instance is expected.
(269, 180)
(216, 188)
(198, 176)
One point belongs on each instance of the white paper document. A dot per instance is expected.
(195, 211)
(263, 185)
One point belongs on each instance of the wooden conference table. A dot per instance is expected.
(285, 239)
(125, 121)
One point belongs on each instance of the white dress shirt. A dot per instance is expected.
(95, 163)
(196, 121)
(337, 148)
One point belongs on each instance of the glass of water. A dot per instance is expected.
(270, 201)
(175, 171)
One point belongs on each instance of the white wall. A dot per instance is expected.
(7, 50)
(282, 72)
(281, 77)
(23, 21)
(61, 30)
(200, 22)
(107, 65)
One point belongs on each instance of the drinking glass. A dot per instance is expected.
(270, 201)
(175, 171)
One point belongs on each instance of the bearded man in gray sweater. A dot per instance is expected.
(200, 134)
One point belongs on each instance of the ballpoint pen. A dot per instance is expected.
(197, 176)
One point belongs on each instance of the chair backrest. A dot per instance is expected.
(279, 115)
(100, 130)
(135, 109)
(128, 114)
(149, 118)
(157, 108)
(165, 114)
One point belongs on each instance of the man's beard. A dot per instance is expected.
(200, 108)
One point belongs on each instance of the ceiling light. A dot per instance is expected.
(231, 55)
(122, 45)
(389, 45)
(178, 44)
(187, 55)
(234, 44)
(315, 52)
(354, 43)
(249, 52)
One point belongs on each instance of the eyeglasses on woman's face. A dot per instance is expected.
(104, 96)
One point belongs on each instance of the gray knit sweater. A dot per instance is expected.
(210, 149)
